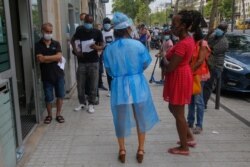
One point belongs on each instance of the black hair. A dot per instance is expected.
(87, 17)
(194, 21)
(106, 20)
(198, 34)
(186, 18)
(120, 33)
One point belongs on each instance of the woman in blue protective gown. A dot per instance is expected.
(131, 103)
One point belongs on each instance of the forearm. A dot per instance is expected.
(73, 45)
(99, 48)
(53, 58)
(49, 59)
(173, 63)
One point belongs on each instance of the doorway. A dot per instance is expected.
(24, 62)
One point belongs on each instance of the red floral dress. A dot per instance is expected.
(178, 86)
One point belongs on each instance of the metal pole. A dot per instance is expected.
(233, 13)
(218, 89)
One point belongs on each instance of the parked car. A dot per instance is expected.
(236, 74)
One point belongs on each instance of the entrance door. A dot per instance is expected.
(22, 38)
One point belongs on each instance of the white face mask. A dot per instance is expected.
(47, 37)
(190, 33)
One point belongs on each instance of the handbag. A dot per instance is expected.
(196, 85)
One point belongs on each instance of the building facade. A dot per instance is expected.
(239, 9)
(21, 94)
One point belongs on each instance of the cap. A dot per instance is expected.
(121, 21)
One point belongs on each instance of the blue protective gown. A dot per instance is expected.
(125, 60)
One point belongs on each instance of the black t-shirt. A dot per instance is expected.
(85, 35)
(50, 71)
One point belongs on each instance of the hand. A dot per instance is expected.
(94, 46)
(41, 59)
(165, 61)
(78, 54)
(60, 60)
(158, 55)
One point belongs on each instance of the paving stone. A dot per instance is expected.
(88, 140)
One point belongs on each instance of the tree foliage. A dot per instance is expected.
(136, 9)
(224, 9)
(160, 18)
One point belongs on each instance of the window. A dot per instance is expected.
(4, 55)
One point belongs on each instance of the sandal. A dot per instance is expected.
(122, 157)
(60, 119)
(178, 150)
(190, 143)
(47, 120)
(139, 157)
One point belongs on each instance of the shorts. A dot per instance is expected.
(48, 88)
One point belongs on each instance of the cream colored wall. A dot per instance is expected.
(51, 13)
(84, 6)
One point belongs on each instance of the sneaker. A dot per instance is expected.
(80, 107)
(197, 130)
(91, 109)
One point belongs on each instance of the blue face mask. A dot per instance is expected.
(107, 26)
(218, 32)
(88, 26)
(166, 37)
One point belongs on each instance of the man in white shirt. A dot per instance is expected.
(108, 37)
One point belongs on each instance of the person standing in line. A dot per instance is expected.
(219, 45)
(167, 44)
(82, 16)
(48, 53)
(200, 68)
(86, 43)
(179, 78)
(125, 59)
(108, 37)
(101, 68)
(144, 36)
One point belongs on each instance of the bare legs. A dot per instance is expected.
(49, 109)
(181, 125)
(141, 140)
(59, 103)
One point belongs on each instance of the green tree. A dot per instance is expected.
(132, 8)
(128, 7)
(142, 15)
(160, 18)
(224, 9)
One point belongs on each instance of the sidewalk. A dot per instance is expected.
(88, 140)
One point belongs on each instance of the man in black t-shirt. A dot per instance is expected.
(86, 43)
(49, 55)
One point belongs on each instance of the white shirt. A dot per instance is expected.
(108, 37)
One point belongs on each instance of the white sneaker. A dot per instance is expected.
(80, 107)
(91, 109)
